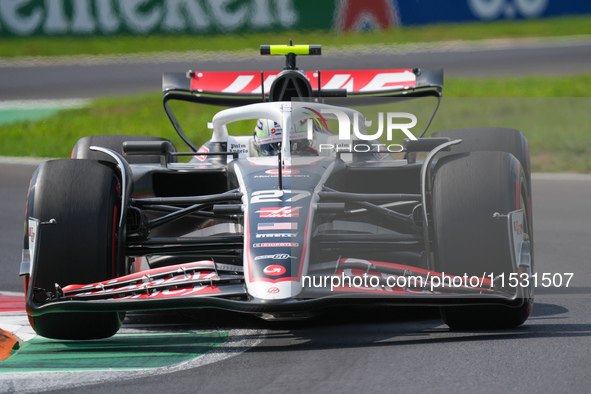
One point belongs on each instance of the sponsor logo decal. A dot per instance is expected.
(268, 196)
(276, 245)
(239, 148)
(517, 227)
(31, 234)
(283, 174)
(277, 235)
(276, 256)
(285, 171)
(488, 10)
(274, 270)
(273, 290)
(59, 18)
(277, 226)
(279, 212)
(202, 149)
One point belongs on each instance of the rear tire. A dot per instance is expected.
(468, 189)
(83, 197)
(499, 139)
(491, 139)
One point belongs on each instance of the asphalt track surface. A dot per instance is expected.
(398, 349)
(391, 350)
(91, 77)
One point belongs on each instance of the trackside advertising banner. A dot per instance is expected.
(139, 17)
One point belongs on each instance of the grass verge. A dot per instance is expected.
(558, 128)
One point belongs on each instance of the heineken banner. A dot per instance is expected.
(109, 17)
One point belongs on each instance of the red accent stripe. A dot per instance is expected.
(393, 290)
(320, 116)
(138, 275)
(286, 279)
(219, 81)
(247, 244)
(172, 293)
(11, 303)
(305, 247)
(254, 163)
(114, 244)
(517, 199)
(413, 269)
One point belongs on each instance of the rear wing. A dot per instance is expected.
(239, 88)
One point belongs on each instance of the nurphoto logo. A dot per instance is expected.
(392, 122)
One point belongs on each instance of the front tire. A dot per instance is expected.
(83, 197)
(468, 189)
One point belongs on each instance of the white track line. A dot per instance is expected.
(43, 104)
(239, 340)
(560, 177)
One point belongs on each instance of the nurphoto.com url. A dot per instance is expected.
(440, 281)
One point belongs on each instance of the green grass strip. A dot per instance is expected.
(557, 128)
(120, 352)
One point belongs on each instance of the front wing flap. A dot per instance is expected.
(205, 284)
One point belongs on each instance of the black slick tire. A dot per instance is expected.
(83, 197)
(468, 189)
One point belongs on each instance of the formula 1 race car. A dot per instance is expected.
(293, 206)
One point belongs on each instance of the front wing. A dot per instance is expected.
(206, 284)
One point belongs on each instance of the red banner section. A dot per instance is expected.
(354, 81)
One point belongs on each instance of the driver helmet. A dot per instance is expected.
(268, 137)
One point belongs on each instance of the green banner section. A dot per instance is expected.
(141, 17)
(120, 352)
(110, 17)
